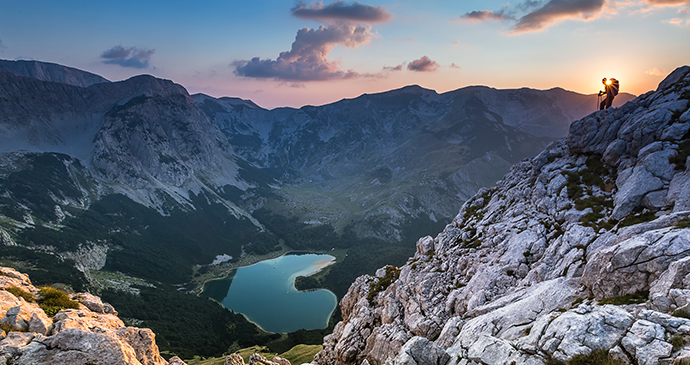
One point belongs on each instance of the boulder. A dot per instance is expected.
(420, 351)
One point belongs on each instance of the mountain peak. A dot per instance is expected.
(52, 72)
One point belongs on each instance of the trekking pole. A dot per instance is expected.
(598, 102)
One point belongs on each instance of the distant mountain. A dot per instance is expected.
(202, 176)
(51, 72)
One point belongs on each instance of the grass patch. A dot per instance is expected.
(637, 219)
(681, 157)
(681, 313)
(301, 354)
(677, 342)
(21, 293)
(683, 223)
(392, 274)
(599, 357)
(634, 298)
(52, 300)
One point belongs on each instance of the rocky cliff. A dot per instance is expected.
(91, 333)
(584, 248)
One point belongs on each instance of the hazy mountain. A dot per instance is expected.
(51, 72)
(388, 166)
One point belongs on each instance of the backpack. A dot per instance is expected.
(614, 86)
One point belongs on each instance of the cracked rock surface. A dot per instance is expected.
(92, 334)
(585, 247)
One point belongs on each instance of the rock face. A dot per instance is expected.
(90, 335)
(584, 247)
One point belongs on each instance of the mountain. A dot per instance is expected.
(45, 71)
(579, 253)
(384, 160)
(119, 185)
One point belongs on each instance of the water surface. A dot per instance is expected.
(265, 293)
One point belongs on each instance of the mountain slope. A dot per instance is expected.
(582, 248)
(45, 71)
(384, 160)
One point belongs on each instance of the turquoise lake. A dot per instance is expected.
(265, 293)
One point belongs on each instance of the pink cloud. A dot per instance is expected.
(424, 64)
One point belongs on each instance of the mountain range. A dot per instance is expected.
(139, 177)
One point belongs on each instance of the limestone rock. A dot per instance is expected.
(517, 275)
(95, 304)
(420, 351)
(91, 335)
(176, 361)
(143, 342)
(234, 359)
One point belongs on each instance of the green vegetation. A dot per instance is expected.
(381, 284)
(683, 223)
(21, 293)
(598, 357)
(636, 219)
(186, 325)
(299, 354)
(42, 268)
(52, 300)
(634, 298)
(681, 157)
(361, 259)
(677, 342)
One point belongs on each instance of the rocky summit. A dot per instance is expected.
(582, 251)
(91, 333)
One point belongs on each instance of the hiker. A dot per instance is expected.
(611, 87)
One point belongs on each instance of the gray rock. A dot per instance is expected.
(645, 341)
(631, 192)
(420, 351)
(584, 330)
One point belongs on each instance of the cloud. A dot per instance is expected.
(483, 16)
(655, 72)
(133, 57)
(668, 2)
(423, 64)
(307, 60)
(528, 5)
(395, 68)
(555, 10)
(339, 11)
(453, 65)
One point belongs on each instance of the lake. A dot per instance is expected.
(265, 293)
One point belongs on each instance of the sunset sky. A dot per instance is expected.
(291, 53)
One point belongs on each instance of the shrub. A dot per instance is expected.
(21, 293)
(599, 357)
(677, 342)
(636, 219)
(392, 274)
(52, 300)
(634, 298)
(683, 223)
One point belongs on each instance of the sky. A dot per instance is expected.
(292, 53)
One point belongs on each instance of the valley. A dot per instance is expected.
(133, 188)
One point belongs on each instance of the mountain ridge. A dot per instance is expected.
(591, 235)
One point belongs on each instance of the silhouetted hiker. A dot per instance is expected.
(611, 87)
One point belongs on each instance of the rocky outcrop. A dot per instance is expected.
(585, 247)
(92, 334)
